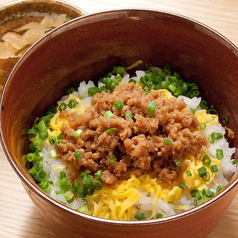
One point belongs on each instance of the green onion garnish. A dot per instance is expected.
(182, 185)
(98, 174)
(159, 215)
(43, 135)
(209, 193)
(214, 136)
(78, 155)
(52, 154)
(203, 126)
(192, 110)
(112, 159)
(118, 105)
(219, 188)
(62, 106)
(167, 142)
(225, 119)
(206, 160)
(77, 133)
(110, 130)
(188, 173)
(108, 115)
(128, 114)
(151, 108)
(40, 175)
(31, 157)
(178, 163)
(72, 103)
(38, 144)
(69, 196)
(234, 161)
(140, 216)
(202, 172)
(214, 168)
(219, 154)
(97, 185)
(31, 133)
(52, 140)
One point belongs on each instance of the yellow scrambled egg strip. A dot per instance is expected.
(118, 203)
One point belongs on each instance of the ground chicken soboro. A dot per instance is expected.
(138, 143)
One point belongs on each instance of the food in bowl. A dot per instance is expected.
(131, 148)
(16, 41)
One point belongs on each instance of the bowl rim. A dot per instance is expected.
(34, 188)
(64, 3)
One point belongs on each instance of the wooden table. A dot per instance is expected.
(18, 216)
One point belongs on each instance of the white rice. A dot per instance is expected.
(223, 176)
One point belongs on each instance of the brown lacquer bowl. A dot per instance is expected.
(19, 13)
(86, 48)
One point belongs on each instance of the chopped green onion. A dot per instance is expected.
(192, 110)
(167, 142)
(234, 161)
(35, 169)
(213, 111)
(132, 81)
(97, 185)
(78, 155)
(110, 130)
(52, 140)
(159, 215)
(128, 114)
(77, 133)
(214, 168)
(182, 185)
(202, 172)
(31, 133)
(62, 106)
(203, 126)
(74, 187)
(58, 192)
(52, 154)
(219, 154)
(214, 136)
(43, 135)
(69, 196)
(38, 144)
(63, 183)
(209, 193)
(83, 174)
(98, 174)
(57, 142)
(112, 159)
(219, 188)
(118, 105)
(40, 175)
(85, 202)
(225, 119)
(72, 103)
(88, 180)
(45, 185)
(188, 173)
(206, 160)
(59, 136)
(108, 115)
(83, 210)
(140, 216)
(195, 202)
(151, 108)
(41, 126)
(178, 163)
(31, 157)
(193, 192)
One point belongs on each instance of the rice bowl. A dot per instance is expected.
(138, 194)
(46, 79)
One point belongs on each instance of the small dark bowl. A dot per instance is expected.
(85, 49)
(19, 13)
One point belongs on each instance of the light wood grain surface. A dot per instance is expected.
(18, 216)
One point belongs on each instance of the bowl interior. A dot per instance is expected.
(87, 48)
